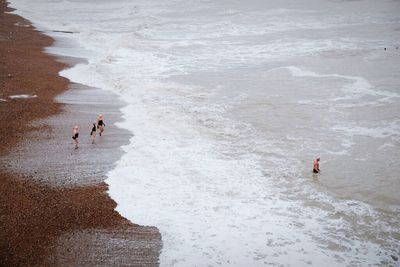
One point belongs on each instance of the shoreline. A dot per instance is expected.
(53, 212)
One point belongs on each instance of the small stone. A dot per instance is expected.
(10, 75)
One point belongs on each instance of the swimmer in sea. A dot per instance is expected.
(100, 123)
(316, 165)
(93, 133)
(75, 135)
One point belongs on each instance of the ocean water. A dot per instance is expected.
(229, 103)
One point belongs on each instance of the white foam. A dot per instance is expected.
(22, 96)
(385, 130)
(22, 24)
(386, 146)
(214, 209)
(358, 88)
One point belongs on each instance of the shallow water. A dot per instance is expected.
(229, 103)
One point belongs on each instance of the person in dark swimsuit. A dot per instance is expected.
(316, 165)
(93, 133)
(75, 136)
(100, 124)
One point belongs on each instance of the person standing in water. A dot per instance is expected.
(93, 133)
(100, 123)
(75, 135)
(316, 165)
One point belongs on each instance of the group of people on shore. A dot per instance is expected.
(99, 124)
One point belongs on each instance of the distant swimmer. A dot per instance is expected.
(75, 135)
(100, 123)
(316, 165)
(93, 133)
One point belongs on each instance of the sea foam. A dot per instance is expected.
(221, 190)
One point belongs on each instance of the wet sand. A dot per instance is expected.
(55, 210)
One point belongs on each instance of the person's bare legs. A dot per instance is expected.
(75, 135)
(100, 123)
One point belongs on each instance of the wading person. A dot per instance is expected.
(100, 124)
(75, 135)
(316, 165)
(93, 133)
